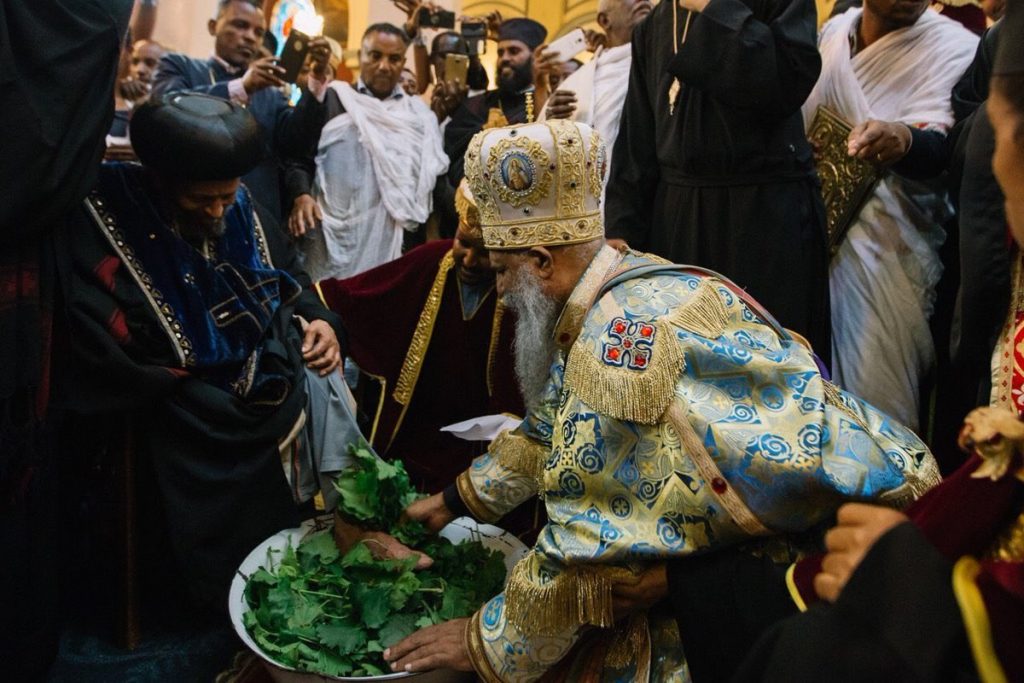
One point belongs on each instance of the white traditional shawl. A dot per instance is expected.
(883, 278)
(377, 164)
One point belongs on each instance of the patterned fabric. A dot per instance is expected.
(1008, 358)
(751, 442)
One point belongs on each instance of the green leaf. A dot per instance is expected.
(327, 662)
(304, 613)
(374, 604)
(398, 627)
(402, 589)
(343, 637)
(320, 548)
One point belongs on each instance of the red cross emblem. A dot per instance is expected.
(629, 345)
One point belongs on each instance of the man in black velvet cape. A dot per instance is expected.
(184, 315)
(712, 166)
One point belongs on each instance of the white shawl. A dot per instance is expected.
(376, 167)
(883, 278)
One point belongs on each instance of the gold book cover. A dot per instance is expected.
(846, 182)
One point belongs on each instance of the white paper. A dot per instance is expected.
(485, 428)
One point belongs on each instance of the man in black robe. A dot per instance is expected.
(712, 166)
(189, 318)
(510, 103)
(236, 72)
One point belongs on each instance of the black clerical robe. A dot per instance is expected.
(202, 352)
(726, 180)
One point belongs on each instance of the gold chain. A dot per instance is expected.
(529, 106)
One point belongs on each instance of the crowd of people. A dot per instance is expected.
(748, 279)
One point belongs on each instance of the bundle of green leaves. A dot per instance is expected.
(322, 612)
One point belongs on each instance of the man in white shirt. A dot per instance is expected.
(595, 93)
(372, 175)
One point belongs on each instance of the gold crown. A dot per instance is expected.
(465, 206)
(538, 184)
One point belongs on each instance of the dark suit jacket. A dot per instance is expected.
(286, 128)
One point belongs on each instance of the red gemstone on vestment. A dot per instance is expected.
(627, 344)
(646, 331)
(620, 328)
(613, 354)
(641, 361)
(718, 485)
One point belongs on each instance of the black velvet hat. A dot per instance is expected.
(1010, 52)
(525, 30)
(197, 137)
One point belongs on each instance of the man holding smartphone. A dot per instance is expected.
(237, 73)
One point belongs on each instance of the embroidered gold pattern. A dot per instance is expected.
(492, 349)
(489, 213)
(554, 232)
(597, 163)
(164, 313)
(1009, 544)
(417, 352)
(477, 652)
(571, 166)
(536, 178)
(628, 642)
(627, 394)
(469, 215)
(469, 496)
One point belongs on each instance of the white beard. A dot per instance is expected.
(534, 349)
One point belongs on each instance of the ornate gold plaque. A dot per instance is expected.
(846, 182)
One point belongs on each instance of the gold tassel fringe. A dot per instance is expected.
(704, 313)
(629, 642)
(520, 454)
(578, 596)
(634, 395)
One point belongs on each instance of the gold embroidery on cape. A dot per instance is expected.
(580, 595)
(538, 187)
(570, 322)
(477, 652)
(694, 448)
(704, 313)
(521, 454)
(417, 352)
(469, 496)
(571, 165)
(469, 215)
(635, 396)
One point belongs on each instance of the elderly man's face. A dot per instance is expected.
(145, 58)
(380, 63)
(1008, 159)
(621, 16)
(471, 257)
(239, 32)
(515, 66)
(200, 205)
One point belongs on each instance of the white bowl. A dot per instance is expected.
(462, 529)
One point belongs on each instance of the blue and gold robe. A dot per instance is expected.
(679, 418)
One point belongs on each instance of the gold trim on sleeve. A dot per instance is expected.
(476, 651)
(472, 501)
(521, 454)
(794, 592)
(492, 349)
(976, 621)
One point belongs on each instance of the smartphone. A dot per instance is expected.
(475, 34)
(293, 56)
(455, 68)
(440, 19)
(569, 45)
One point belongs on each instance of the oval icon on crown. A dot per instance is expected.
(518, 172)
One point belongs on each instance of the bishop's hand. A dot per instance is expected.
(431, 512)
(858, 527)
(381, 545)
(441, 646)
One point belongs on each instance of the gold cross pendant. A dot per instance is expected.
(673, 95)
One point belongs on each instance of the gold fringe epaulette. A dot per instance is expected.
(636, 396)
(520, 454)
(578, 596)
(703, 314)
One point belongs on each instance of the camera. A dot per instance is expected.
(475, 34)
(439, 19)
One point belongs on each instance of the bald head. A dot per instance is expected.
(617, 18)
